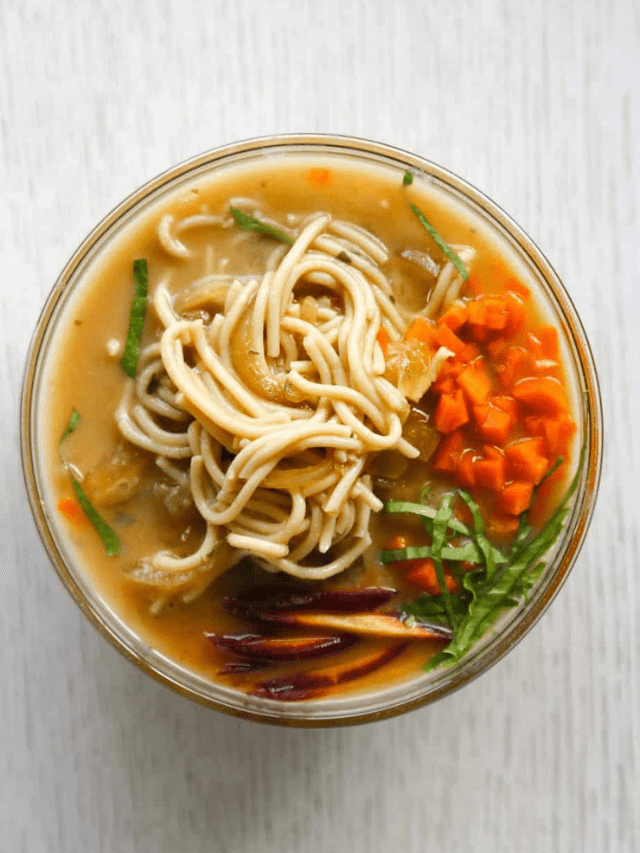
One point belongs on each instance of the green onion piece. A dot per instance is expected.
(407, 178)
(446, 249)
(136, 318)
(110, 540)
(478, 527)
(250, 223)
(74, 420)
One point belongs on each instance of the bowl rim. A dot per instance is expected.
(370, 151)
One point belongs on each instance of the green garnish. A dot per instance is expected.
(440, 523)
(74, 420)
(500, 580)
(250, 223)
(407, 178)
(478, 528)
(110, 540)
(446, 249)
(136, 318)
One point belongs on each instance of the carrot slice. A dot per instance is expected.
(319, 176)
(516, 312)
(424, 575)
(496, 314)
(501, 526)
(548, 336)
(545, 395)
(420, 329)
(475, 284)
(444, 337)
(513, 285)
(526, 461)
(489, 469)
(475, 383)
(383, 338)
(454, 317)
(515, 498)
(451, 412)
(506, 403)
(494, 423)
(465, 472)
(449, 452)
(71, 509)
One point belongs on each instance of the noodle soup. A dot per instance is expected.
(305, 417)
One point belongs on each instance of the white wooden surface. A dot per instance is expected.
(538, 104)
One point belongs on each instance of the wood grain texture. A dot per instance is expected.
(538, 104)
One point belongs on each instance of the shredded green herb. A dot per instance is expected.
(110, 539)
(136, 318)
(407, 178)
(500, 581)
(250, 223)
(453, 257)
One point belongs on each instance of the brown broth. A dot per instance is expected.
(82, 375)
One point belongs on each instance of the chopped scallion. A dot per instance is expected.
(453, 257)
(407, 178)
(250, 223)
(136, 318)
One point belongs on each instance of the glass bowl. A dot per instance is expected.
(353, 707)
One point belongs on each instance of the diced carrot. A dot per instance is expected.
(447, 456)
(475, 383)
(497, 349)
(496, 315)
(475, 284)
(444, 337)
(477, 312)
(71, 509)
(420, 329)
(423, 574)
(534, 345)
(465, 472)
(444, 385)
(454, 317)
(516, 312)
(469, 353)
(493, 423)
(545, 394)
(515, 498)
(383, 338)
(500, 526)
(517, 364)
(506, 403)
(489, 469)
(516, 286)
(526, 461)
(397, 543)
(319, 176)
(451, 412)
(548, 336)
(556, 432)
